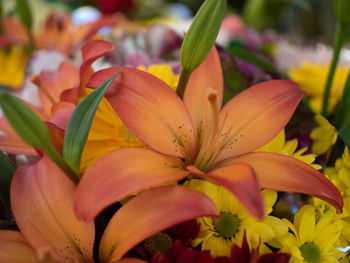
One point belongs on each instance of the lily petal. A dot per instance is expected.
(241, 180)
(51, 84)
(91, 51)
(256, 116)
(207, 77)
(140, 98)
(150, 212)
(15, 249)
(42, 203)
(121, 173)
(283, 173)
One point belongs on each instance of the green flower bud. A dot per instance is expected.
(342, 10)
(202, 34)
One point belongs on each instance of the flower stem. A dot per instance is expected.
(58, 159)
(342, 116)
(181, 86)
(340, 40)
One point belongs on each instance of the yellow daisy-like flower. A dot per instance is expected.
(219, 236)
(340, 173)
(311, 241)
(163, 72)
(280, 145)
(324, 136)
(12, 66)
(108, 132)
(321, 207)
(312, 78)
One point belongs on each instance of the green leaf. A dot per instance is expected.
(7, 169)
(23, 10)
(25, 121)
(32, 129)
(344, 133)
(251, 58)
(79, 124)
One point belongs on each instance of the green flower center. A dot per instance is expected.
(311, 252)
(159, 243)
(228, 225)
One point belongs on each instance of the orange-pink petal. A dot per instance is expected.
(255, 116)
(91, 51)
(121, 173)
(51, 84)
(15, 249)
(151, 110)
(240, 179)
(14, 32)
(283, 173)
(149, 213)
(206, 78)
(42, 204)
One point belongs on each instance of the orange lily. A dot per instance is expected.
(195, 136)
(42, 203)
(51, 87)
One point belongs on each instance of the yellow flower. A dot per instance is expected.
(324, 136)
(163, 72)
(12, 66)
(218, 236)
(340, 173)
(322, 207)
(311, 241)
(108, 132)
(312, 78)
(280, 145)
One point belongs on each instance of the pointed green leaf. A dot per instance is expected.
(7, 169)
(25, 121)
(23, 10)
(32, 129)
(344, 133)
(79, 124)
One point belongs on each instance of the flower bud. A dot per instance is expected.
(342, 10)
(202, 34)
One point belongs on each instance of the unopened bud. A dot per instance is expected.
(202, 34)
(342, 10)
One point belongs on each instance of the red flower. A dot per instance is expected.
(110, 7)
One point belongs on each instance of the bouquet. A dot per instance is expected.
(129, 152)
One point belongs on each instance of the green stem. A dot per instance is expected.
(184, 78)
(342, 115)
(58, 159)
(340, 40)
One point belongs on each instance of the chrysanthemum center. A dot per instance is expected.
(228, 225)
(159, 243)
(311, 253)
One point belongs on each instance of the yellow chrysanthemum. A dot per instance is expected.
(312, 78)
(321, 207)
(219, 236)
(324, 136)
(340, 173)
(12, 66)
(108, 132)
(280, 145)
(311, 241)
(163, 72)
